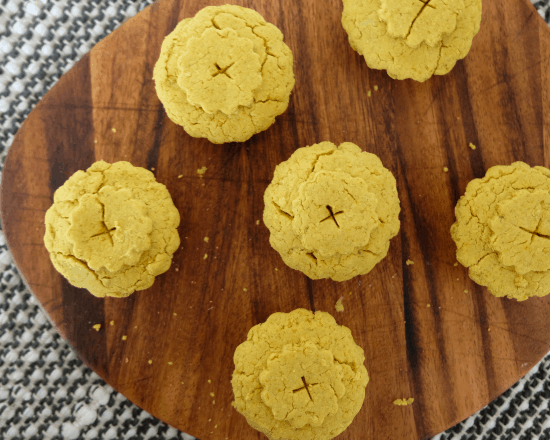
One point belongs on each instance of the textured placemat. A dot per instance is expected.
(45, 390)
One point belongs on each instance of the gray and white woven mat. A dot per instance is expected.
(45, 390)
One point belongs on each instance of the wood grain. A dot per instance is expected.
(196, 314)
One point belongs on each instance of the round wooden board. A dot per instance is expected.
(443, 355)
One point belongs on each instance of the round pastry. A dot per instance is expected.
(502, 231)
(332, 211)
(412, 38)
(112, 229)
(224, 74)
(299, 376)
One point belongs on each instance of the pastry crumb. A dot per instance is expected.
(257, 222)
(245, 289)
(211, 394)
(96, 327)
(124, 337)
(175, 314)
(489, 329)
(456, 264)
(180, 176)
(465, 291)
(170, 363)
(472, 146)
(114, 130)
(445, 169)
(150, 361)
(339, 306)
(369, 93)
(112, 323)
(206, 239)
(427, 305)
(201, 171)
(403, 402)
(409, 262)
(209, 381)
(126, 360)
(205, 256)
(375, 88)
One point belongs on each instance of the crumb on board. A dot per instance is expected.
(126, 360)
(445, 169)
(96, 327)
(489, 329)
(245, 289)
(375, 88)
(95, 141)
(456, 264)
(257, 222)
(339, 306)
(205, 256)
(409, 262)
(114, 130)
(150, 361)
(180, 176)
(170, 363)
(465, 291)
(175, 314)
(403, 402)
(427, 305)
(369, 93)
(472, 146)
(213, 402)
(112, 323)
(201, 171)
(124, 337)
(206, 239)
(209, 381)
(211, 394)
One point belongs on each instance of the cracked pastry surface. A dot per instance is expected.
(502, 231)
(112, 229)
(412, 38)
(224, 74)
(299, 376)
(332, 211)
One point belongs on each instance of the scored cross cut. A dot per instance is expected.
(222, 71)
(332, 215)
(107, 231)
(306, 385)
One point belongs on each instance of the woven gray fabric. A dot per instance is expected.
(45, 390)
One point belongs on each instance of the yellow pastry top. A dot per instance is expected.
(224, 74)
(332, 211)
(412, 38)
(502, 231)
(299, 376)
(112, 229)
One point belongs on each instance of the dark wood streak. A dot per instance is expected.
(482, 318)
(196, 314)
(309, 285)
(414, 356)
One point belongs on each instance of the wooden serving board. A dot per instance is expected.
(443, 355)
